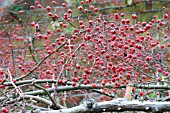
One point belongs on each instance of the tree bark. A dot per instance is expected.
(118, 105)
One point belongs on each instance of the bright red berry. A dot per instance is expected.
(70, 11)
(159, 79)
(53, 2)
(64, 4)
(74, 84)
(165, 16)
(80, 8)
(82, 2)
(48, 8)
(21, 12)
(49, 51)
(4, 110)
(60, 81)
(143, 77)
(36, 2)
(101, 98)
(95, 10)
(14, 80)
(39, 6)
(134, 16)
(1, 86)
(94, 85)
(141, 93)
(50, 14)
(32, 7)
(148, 93)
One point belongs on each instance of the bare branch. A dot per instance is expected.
(118, 105)
(40, 62)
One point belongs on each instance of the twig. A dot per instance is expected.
(12, 51)
(37, 98)
(40, 62)
(35, 81)
(52, 100)
(166, 99)
(11, 80)
(107, 94)
(116, 7)
(84, 87)
(89, 85)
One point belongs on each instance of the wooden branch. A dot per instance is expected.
(12, 50)
(52, 100)
(61, 89)
(41, 62)
(166, 99)
(140, 86)
(77, 87)
(18, 90)
(100, 92)
(18, 83)
(118, 105)
(133, 4)
(37, 98)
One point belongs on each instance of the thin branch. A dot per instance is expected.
(37, 98)
(40, 62)
(89, 85)
(12, 51)
(166, 99)
(35, 81)
(61, 89)
(116, 7)
(100, 92)
(52, 100)
(11, 80)
(67, 88)
(81, 87)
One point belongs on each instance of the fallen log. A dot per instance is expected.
(117, 105)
